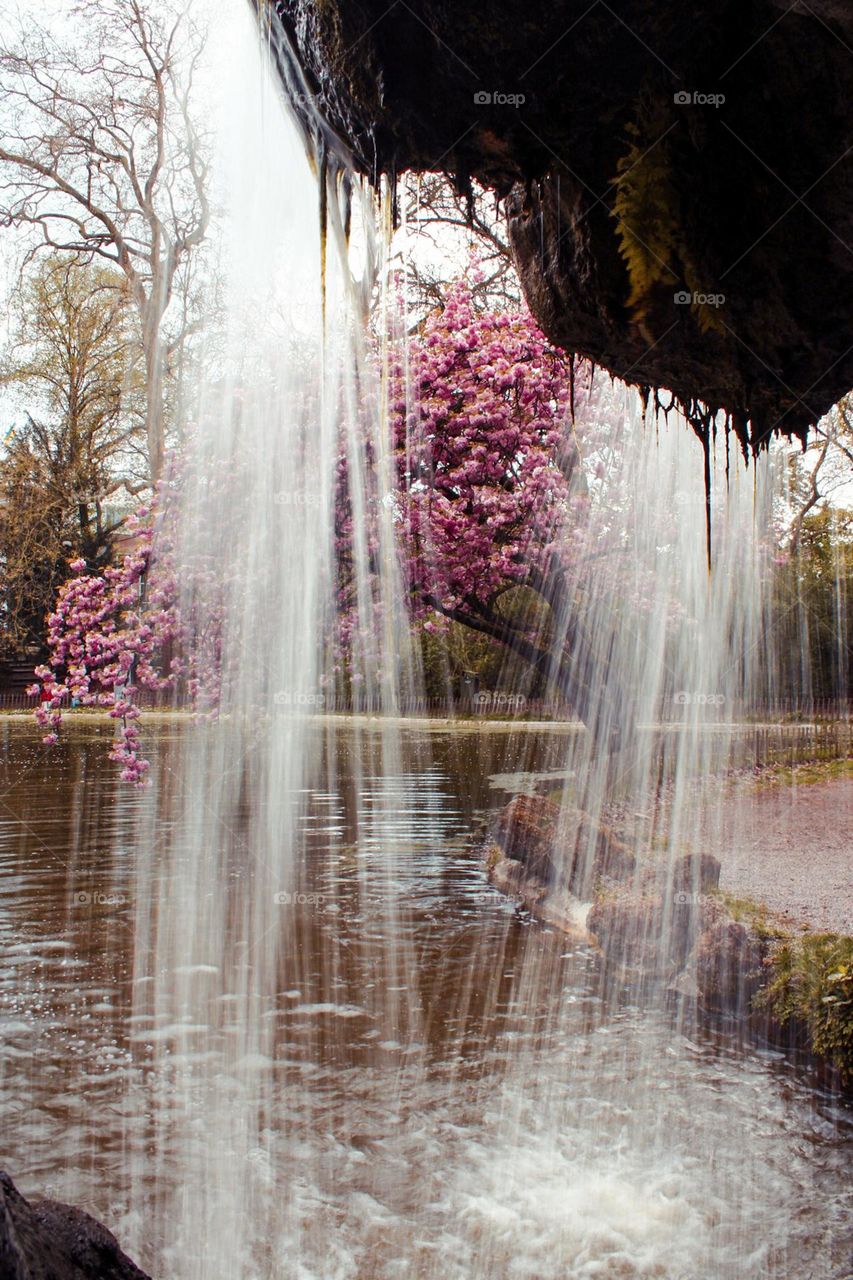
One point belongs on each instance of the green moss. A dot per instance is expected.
(752, 914)
(494, 856)
(812, 987)
(806, 774)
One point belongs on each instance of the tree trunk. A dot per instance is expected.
(154, 414)
(576, 673)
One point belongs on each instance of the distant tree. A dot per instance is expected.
(33, 559)
(444, 228)
(439, 235)
(74, 465)
(812, 616)
(821, 472)
(102, 156)
(812, 604)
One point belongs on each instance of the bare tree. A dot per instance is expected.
(76, 461)
(444, 229)
(823, 472)
(102, 155)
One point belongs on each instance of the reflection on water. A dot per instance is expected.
(400, 1101)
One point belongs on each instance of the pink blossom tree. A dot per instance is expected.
(104, 638)
(491, 492)
(129, 629)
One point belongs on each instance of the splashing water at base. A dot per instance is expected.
(347, 1056)
(497, 1116)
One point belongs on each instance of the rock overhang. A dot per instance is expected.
(678, 180)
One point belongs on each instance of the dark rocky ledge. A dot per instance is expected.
(620, 194)
(46, 1240)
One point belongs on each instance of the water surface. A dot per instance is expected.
(421, 1082)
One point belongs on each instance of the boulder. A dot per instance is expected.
(566, 847)
(47, 1240)
(649, 933)
(628, 927)
(552, 904)
(696, 873)
(729, 967)
(527, 831)
(594, 853)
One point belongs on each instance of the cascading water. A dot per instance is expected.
(345, 1055)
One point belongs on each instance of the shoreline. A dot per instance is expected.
(468, 722)
(783, 840)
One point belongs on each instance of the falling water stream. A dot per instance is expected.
(269, 1019)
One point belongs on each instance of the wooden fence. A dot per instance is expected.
(792, 744)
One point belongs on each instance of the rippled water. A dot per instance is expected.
(424, 1103)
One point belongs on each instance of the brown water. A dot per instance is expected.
(439, 1090)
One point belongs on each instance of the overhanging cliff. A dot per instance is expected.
(678, 178)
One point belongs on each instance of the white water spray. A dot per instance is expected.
(344, 1075)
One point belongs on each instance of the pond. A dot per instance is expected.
(389, 1070)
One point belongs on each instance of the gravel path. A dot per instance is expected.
(792, 849)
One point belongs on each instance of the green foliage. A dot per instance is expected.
(449, 657)
(646, 222)
(803, 775)
(812, 985)
(752, 914)
(652, 238)
(458, 654)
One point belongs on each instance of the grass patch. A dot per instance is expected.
(800, 775)
(811, 988)
(809, 984)
(754, 915)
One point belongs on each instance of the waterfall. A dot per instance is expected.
(355, 1059)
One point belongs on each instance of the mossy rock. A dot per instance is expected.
(526, 831)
